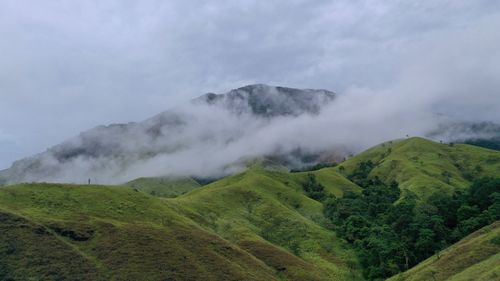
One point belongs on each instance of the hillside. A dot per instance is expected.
(268, 214)
(257, 225)
(263, 223)
(67, 232)
(476, 257)
(425, 167)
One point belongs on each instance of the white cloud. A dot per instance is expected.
(68, 66)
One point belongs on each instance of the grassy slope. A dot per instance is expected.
(164, 187)
(30, 251)
(267, 213)
(332, 180)
(256, 225)
(424, 167)
(476, 257)
(110, 233)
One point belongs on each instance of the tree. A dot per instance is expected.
(392, 234)
(425, 243)
(481, 190)
(314, 189)
(494, 209)
(356, 227)
(465, 212)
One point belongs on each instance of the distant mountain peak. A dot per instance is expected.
(270, 101)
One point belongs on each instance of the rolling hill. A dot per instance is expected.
(259, 224)
(425, 167)
(68, 232)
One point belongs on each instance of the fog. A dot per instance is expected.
(392, 78)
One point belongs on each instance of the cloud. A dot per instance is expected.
(68, 66)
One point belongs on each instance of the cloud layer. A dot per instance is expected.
(66, 66)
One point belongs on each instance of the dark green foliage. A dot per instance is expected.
(481, 190)
(341, 209)
(391, 237)
(360, 175)
(313, 188)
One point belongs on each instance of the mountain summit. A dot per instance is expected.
(270, 101)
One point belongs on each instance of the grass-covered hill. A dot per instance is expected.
(66, 232)
(476, 257)
(268, 214)
(417, 198)
(257, 225)
(261, 224)
(425, 167)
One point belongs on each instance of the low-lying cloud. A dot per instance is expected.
(395, 79)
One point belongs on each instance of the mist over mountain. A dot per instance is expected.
(267, 101)
(215, 134)
(485, 134)
(172, 142)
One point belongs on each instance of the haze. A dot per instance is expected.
(66, 67)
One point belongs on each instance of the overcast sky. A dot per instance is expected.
(67, 66)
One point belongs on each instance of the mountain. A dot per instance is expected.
(215, 135)
(267, 101)
(107, 153)
(265, 223)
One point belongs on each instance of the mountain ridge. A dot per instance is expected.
(118, 146)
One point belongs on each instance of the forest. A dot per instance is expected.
(393, 231)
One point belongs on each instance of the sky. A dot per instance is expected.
(68, 66)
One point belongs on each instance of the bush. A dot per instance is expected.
(313, 188)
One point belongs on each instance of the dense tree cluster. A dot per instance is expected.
(313, 188)
(392, 234)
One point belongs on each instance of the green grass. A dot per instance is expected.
(261, 207)
(476, 257)
(425, 167)
(84, 203)
(244, 227)
(164, 186)
(334, 182)
(72, 232)
(30, 251)
(255, 225)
